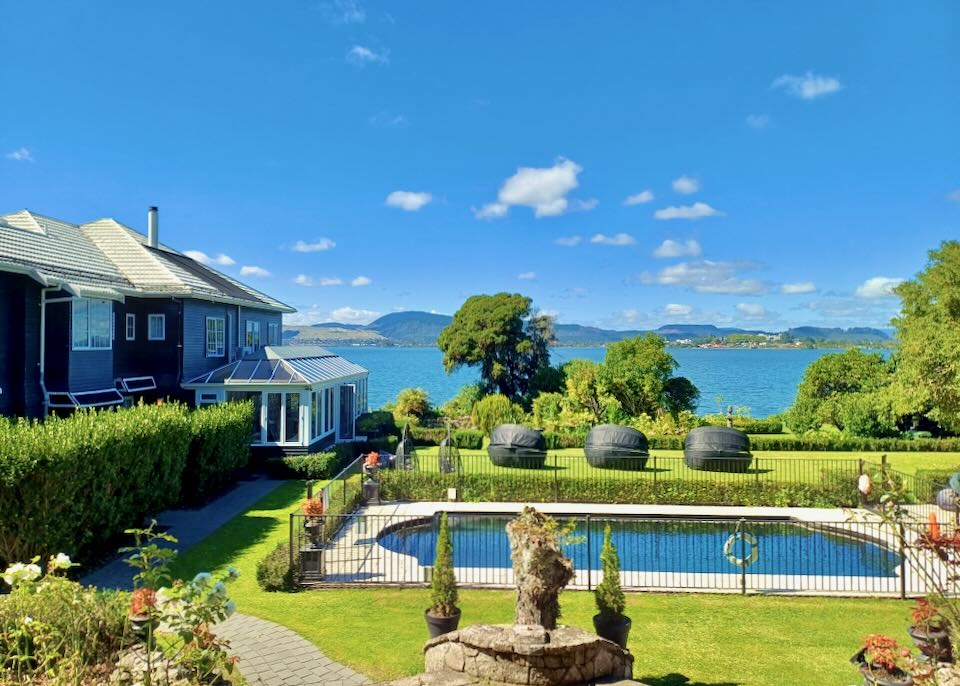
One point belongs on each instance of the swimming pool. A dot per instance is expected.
(661, 546)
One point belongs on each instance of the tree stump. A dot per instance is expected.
(540, 569)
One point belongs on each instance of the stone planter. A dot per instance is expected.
(438, 626)
(873, 679)
(616, 629)
(934, 645)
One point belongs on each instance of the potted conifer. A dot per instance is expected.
(443, 615)
(610, 622)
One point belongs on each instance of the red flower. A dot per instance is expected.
(313, 507)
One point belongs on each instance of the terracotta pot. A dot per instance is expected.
(616, 628)
(933, 644)
(438, 626)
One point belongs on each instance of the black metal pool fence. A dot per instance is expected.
(772, 556)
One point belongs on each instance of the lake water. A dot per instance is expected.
(763, 380)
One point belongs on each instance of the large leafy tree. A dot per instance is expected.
(584, 394)
(836, 380)
(638, 373)
(928, 361)
(504, 337)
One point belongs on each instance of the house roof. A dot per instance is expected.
(302, 365)
(106, 259)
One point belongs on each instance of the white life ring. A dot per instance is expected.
(730, 549)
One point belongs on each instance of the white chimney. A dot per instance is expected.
(153, 228)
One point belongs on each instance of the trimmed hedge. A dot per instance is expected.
(74, 484)
(466, 439)
(560, 440)
(376, 424)
(409, 485)
(768, 425)
(274, 572)
(219, 448)
(312, 466)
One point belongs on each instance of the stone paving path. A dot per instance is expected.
(189, 527)
(272, 655)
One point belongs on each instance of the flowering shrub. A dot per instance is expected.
(884, 657)
(313, 507)
(926, 616)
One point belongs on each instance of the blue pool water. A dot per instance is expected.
(661, 546)
(763, 380)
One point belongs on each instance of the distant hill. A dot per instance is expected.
(423, 328)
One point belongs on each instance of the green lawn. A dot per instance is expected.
(681, 639)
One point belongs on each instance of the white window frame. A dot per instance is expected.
(219, 337)
(130, 327)
(162, 318)
(251, 326)
(86, 303)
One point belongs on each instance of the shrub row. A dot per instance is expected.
(406, 485)
(466, 439)
(768, 425)
(327, 464)
(74, 484)
(560, 440)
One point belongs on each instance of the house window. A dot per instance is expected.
(253, 334)
(314, 414)
(92, 324)
(156, 327)
(131, 327)
(216, 336)
(273, 334)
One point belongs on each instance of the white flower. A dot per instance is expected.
(230, 607)
(28, 620)
(61, 561)
(19, 573)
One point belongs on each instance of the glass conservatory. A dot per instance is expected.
(303, 396)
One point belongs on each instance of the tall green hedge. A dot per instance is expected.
(467, 439)
(74, 484)
(219, 448)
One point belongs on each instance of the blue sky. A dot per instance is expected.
(358, 158)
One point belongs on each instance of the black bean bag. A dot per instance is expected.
(512, 445)
(610, 446)
(717, 449)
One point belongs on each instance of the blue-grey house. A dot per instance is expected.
(99, 314)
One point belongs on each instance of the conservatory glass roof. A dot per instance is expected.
(299, 365)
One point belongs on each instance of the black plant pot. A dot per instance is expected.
(935, 645)
(876, 680)
(438, 626)
(615, 628)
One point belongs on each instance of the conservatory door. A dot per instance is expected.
(347, 415)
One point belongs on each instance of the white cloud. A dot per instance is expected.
(758, 121)
(203, 258)
(345, 12)
(251, 270)
(676, 310)
(20, 155)
(303, 280)
(544, 189)
(584, 205)
(676, 249)
(568, 241)
(349, 315)
(808, 86)
(617, 239)
(329, 281)
(686, 185)
(878, 287)
(697, 210)
(318, 245)
(639, 198)
(751, 310)
(527, 276)
(954, 196)
(408, 200)
(361, 281)
(361, 54)
(492, 210)
(798, 288)
(387, 119)
(706, 276)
